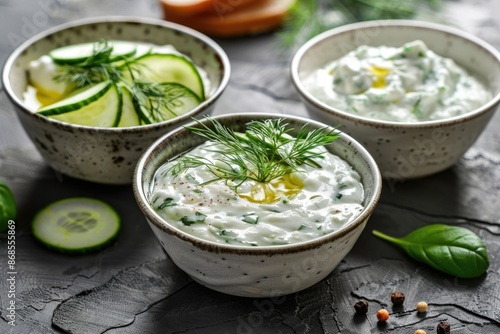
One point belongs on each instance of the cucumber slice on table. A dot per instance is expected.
(77, 53)
(177, 100)
(76, 225)
(100, 105)
(172, 68)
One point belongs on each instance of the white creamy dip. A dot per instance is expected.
(309, 203)
(406, 84)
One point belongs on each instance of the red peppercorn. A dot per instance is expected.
(382, 315)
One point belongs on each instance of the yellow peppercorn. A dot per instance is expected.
(382, 315)
(422, 307)
(420, 331)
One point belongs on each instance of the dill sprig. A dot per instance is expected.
(160, 99)
(96, 68)
(263, 153)
(307, 18)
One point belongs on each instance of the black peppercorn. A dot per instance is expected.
(397, 298)
(443, 328)
(361, 307)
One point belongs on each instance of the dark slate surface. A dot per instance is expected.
(133, 287)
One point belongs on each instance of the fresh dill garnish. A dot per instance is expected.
(159, 99)
(264, 153)
(307, 18)
(96, 68)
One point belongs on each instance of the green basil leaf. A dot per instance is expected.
(454, 250)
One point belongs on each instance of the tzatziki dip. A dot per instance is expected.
(402, 84)
(315, 199)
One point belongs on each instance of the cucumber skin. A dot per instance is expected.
(138, 109)
(8, 209)
(120, 105)
(72, 61)
(104, 112)
(80, 251)
(83, 250)
(77, 105)
(188, 62)
(145, 119)
(123, 93)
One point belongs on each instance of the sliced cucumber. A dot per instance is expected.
(76, 225)
(172, 68)
(177, 100)
(76, 53)
(129, 116)
(80, 99)
(89, 108)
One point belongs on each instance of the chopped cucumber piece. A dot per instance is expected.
(284, 137)
(242, 137)
(76, 225)
(77, 53)
(100, 105)
(172, 68)
(176, 100)
(129, 116)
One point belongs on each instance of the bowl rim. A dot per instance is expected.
(219, 52)
(153, 217)
(455, 32)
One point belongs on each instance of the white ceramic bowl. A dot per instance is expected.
(403, 150)
(254, 271)
(107, 155)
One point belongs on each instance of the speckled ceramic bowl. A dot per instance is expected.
(107, 155)
(403, 150)
(255, 271)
